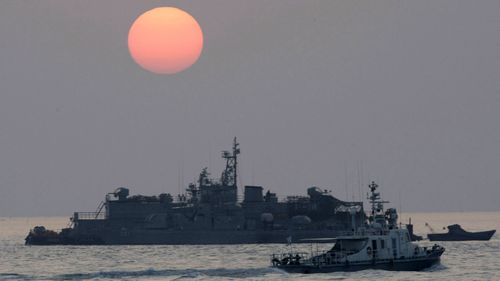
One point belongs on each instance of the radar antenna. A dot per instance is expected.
(375, 201)
(230, 175)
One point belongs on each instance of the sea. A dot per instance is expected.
(475, 260)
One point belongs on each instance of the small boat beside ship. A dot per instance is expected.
(457, 233)
(381, 244)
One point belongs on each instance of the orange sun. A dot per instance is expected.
(165, 40)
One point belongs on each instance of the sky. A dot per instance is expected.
(331, 94)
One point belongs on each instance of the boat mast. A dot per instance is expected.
(230, 174)
(375, 201)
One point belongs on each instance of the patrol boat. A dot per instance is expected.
(381, 244)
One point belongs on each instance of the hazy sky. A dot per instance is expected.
(324, 93)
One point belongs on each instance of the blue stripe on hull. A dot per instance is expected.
(400, 265)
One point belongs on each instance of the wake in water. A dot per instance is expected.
(179, 273)
(463, 261)
(193, 273)
(14, 276)
(435, 267)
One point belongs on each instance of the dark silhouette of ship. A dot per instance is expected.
(208, 213)
(413, 236)
(457, 233)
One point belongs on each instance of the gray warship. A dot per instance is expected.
(209, 212)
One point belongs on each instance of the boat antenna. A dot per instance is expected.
(345, 182)
(178, 178)
(359, 179)
(400, 206)
(253, 172)
(362, 182)
(210, 158)
(180, 174)
(375, 200)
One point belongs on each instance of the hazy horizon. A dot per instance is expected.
(331, 94)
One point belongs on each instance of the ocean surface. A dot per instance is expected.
(462, 260)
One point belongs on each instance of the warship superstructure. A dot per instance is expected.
(208, 213)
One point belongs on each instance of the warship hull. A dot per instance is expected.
(213, 237)
(160, 237)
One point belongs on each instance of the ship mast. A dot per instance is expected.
(230, 175)
(375, 200)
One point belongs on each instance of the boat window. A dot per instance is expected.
(394, 247)
(335, 247)
(349, 245)
(374, 245)
(382, 244)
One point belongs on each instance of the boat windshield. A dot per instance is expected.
(349, 245)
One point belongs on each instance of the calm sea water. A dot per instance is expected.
(461, 261)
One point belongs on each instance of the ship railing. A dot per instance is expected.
(88, 216)
(328, 259)
(290, 257)
(363, 232)
(99, 208)
(316, 258)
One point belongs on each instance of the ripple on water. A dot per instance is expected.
(461, 261)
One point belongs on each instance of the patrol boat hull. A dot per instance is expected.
(390, 265)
